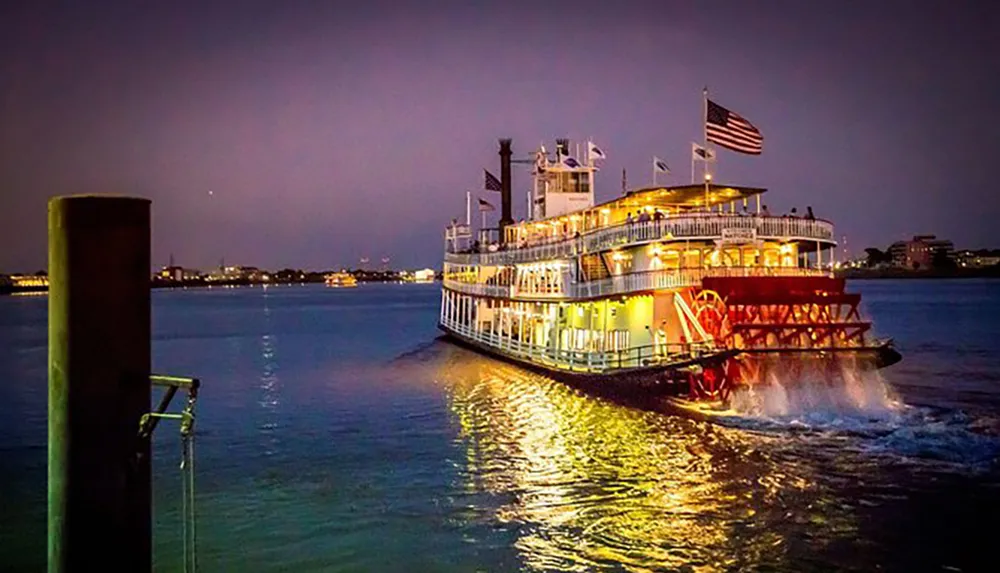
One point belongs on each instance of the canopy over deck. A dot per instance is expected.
(683, 196)
(671, 200)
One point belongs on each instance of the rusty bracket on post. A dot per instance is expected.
(148, 424)
(149, 421)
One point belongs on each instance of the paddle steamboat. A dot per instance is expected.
(683, 289)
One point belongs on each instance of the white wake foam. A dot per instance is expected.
(820, 392)
(843, 397)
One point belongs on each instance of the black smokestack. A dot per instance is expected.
(505, 153)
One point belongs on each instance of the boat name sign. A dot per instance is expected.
(736, 235)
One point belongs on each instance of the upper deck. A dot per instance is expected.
(687, 213)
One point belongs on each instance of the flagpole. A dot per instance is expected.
(692, 165)
(704, 119)
(654, 171)
(468, 208)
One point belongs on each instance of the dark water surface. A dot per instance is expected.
(319, 448)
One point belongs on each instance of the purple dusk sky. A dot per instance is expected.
(328, 131)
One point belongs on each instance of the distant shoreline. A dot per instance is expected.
(9, 290)
(983, 273)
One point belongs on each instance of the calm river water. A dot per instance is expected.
(336, 434)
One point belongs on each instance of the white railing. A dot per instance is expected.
(498, 291)
(586, 361)
(764, 272)
(633, 282)
(697, 227)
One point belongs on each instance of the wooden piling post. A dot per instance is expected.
(99, 516)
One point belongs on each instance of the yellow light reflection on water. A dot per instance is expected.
(590, 484)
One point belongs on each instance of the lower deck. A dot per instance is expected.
(655, 339)
(596, 337)
(661, 388)
(671, 327)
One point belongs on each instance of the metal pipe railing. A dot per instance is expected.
(706, 226)
(592, 361)
(630, 282)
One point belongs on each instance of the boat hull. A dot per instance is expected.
(664, 386)
(631, 383)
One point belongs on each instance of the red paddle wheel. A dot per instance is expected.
(805, 317)
(790, 313)
(710, 310)
(712, 381)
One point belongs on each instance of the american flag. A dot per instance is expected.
(731, 131)
(485, 206)
(492, 183)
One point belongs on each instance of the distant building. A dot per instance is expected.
(251, 274)
(919, 252)
(424, 276)
(178, 274)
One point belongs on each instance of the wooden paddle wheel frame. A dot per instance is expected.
(807, 315)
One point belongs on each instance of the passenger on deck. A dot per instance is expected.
(809, 214)
(794, 214)
(764, 212)
(643, 216)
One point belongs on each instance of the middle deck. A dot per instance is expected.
(649, 239)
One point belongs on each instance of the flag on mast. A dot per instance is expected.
(485, 206)
(699, 153)
(731, 131)
(660, 166)
(594, 152)
(492, 183)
